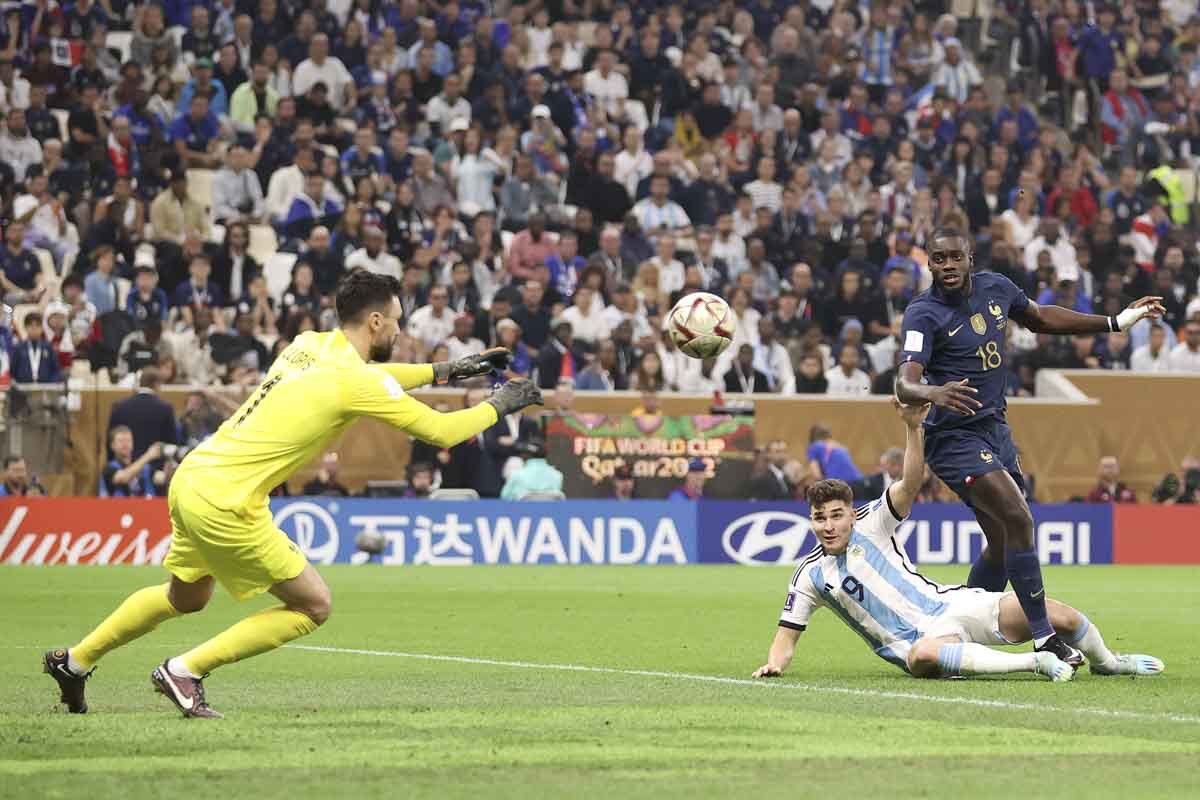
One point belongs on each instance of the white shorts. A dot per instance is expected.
(973, 615)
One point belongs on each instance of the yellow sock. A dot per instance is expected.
(266, 630)
(138, 615)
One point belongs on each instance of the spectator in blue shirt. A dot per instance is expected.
(17, 480)
(364, 159)
(195, 135)
(1015, 109)
(443, 57)
(143, 123)
(310, 208)
(198, 291)
(202, 83)
(828, 459)
(99, 285)
(125, 476)
(693, 482)
(19, 267)
(1098, 46)
(147, 301)
(34, 360)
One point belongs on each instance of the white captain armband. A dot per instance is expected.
(915, 341)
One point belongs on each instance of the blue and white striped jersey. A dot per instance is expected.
(872, 587)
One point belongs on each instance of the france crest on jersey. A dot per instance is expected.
(872, 587)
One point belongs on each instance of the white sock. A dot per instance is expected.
(176, 667)
(1089, 642)
(74, 665)
(976, 659)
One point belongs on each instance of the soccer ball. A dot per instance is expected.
(701, 325)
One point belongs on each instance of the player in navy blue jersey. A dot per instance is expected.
(954, 357)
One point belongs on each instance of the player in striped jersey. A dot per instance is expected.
(859, 572)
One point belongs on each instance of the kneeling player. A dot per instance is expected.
(928, 630)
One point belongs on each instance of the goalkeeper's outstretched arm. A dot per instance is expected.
(377, 393)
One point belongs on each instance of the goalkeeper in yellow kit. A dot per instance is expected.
(222, 529)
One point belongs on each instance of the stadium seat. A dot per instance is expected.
(19, 313)
(543, 496)
(62, 116)
(46, 261)
(454, 494)
(121, 41)
(263, 243)
(278, 271)
(124, 287)
(200, 183)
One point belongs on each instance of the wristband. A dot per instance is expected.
(1112, 325)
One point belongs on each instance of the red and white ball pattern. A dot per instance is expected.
(701, 325)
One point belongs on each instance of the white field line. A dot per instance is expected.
(803, 687)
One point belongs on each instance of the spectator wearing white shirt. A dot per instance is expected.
(670, 269)
(956, 74)
(767, 116)
(14, 90)
(18, 148)
(588, 321)
(633, 163)
(1153, 356)
(320, 67)
(1062, 252)
(288, 182)
(659, 214)
(1185, 356)
(430, 325)
(765, 191)
(236, 193)
(606, 85)
(461, 343)
(846, 379)
(728, 245)
(771, 359)
(373, 255)
(448, 106)
(626, 308)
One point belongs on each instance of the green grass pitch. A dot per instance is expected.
(329, 723)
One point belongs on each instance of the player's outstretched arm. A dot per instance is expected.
(410, 376)
(903, 492)
(375, 393)
(783, 648)
(1056, 319)
(957, 396)
(490, 361)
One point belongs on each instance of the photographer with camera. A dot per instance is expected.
(237, 195)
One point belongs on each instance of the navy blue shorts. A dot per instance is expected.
(960, 455)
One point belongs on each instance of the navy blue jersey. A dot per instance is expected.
(963, 337)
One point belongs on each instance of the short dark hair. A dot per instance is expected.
(10, 460)
(361, 291)
(828, 491)
(949, 232)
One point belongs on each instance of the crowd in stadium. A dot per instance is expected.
(184, 183)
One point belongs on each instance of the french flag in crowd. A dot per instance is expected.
(66, 52)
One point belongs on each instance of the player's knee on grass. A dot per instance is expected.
(923, 658)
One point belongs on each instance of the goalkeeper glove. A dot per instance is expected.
(514, 396)
(484, 363)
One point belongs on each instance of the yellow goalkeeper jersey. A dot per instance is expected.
(317, 386)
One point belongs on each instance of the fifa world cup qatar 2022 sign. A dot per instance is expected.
(588, 448)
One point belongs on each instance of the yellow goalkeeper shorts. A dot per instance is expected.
(246, 553)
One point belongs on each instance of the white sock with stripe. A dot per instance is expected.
(1089, 642)
(976, 659)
